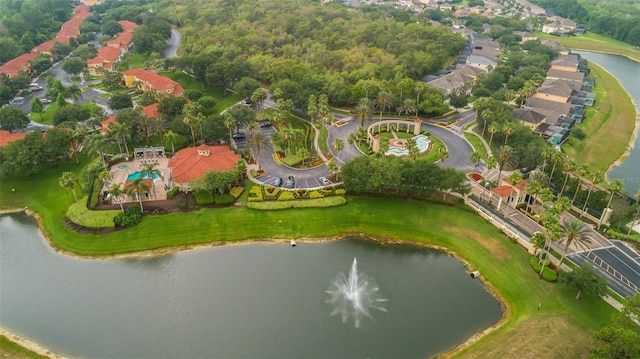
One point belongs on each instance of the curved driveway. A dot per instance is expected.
(457, 146)
(172, 45)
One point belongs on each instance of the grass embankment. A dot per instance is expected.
(594, 42)
(608, 125)
(9, 349)
(529, 332)
(223, 101)
(476, 143)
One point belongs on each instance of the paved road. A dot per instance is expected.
(172, 45)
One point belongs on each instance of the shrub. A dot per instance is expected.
(271, 192)
(172, 193)
(192, 95)
(255, 194)
(203, 198)
(131, 217)
(549, 274)
(315, 194)
(224, 199)
(236, 192)
(341, 192)
(302, 203)
(286, 196)
(80, 215)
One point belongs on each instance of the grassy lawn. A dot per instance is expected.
(476, 143)
(9, 349)
(594, 42)
(222, 101)
(608, 126)
(560, 328)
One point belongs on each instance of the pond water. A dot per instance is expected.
(627, 72)
(239, 301)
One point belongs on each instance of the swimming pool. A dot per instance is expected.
(137, 174)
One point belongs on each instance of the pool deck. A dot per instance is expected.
(120, 176)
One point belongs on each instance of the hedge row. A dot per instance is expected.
(271, 193)
(548, 274)
(306, 203)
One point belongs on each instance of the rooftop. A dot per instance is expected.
(194, 162)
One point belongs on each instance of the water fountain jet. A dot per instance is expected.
(354, 296)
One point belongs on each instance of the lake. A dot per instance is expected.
(253, 300)
(627, 72)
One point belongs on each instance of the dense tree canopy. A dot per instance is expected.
(12, 118)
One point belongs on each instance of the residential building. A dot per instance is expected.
(149, 80)
(192, 163)
(529, 117)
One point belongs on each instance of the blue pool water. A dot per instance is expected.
(422, 142)
(135, 175)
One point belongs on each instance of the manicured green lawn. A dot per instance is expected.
(222, 101)
(594, 42)
(476, 143)
(608, 125)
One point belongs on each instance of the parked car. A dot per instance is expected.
(245, 103)
(18, 101)
(291, 182)
(324, 180)
(265, 124)
(45, 101)
(278, 182)
(239, 136)
(35, 87)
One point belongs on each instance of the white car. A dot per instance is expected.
(245, 103)
(324, 180)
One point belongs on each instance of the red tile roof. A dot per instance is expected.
(127, 25)
(151, 111)
(519, 186)
(45, 46)
(502, 191)
(13, 67)
(193, 162)
(7, 137)
(155, 81)
(106, 123)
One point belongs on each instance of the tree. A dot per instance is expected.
(383, 102)
(504, 157)
(13, 118)
(230, 124)
(586, 279)
(119, 101)
(193, 117)
(620, 339)
(583, 171)
(569, 166)
(508, 130)
(514, 178)
(74, 65)
(111, 28)
(332, 167)
(246, 86)
(136, 188)
(338, 145)
(363, 113)
(117, 193)
(493, 128)
(74, 92)
(594, 178)
(258, 142)
(69, 180)
(475, 157)
(150, 169)
(533, 188)
(576, 231)
(258, 96)
(37, 106)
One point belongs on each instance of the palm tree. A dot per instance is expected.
(576, 231)
(508, 130)
(75, 92)
(117, 193)
(363, 113)
(69, 180)
(491, 163)
(533, 188)
(569, 166)
(149, 168)
(493, 128)
(171, 137)
(408, 106)
(96, 142)
(230, 124)
(338, 145)
(556, 159)
(137, 187)
(485, 115)
(595, 178)
(420, 88)
(159, 128)
(614, 187)
(333, 168)
(475, 157)
(258, 141)
(383, 102)
(583, 172)
(505, 156)
(351, 140)
(121, 132)
(75, 140)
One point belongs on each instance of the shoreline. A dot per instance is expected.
(506, 309)
(636, 128)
